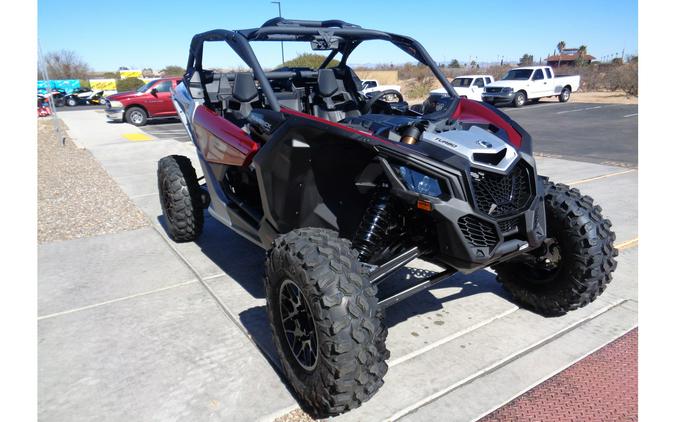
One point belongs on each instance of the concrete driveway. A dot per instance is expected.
(136, 327)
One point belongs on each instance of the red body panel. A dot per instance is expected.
(220, 140)
(472, 111)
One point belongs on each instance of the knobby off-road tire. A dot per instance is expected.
(180, 196)
(350, 363)
(586, 250)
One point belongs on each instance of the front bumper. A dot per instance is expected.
(114, 114)
(469, 238)
(498, 97)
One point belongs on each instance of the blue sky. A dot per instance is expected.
(155, 34)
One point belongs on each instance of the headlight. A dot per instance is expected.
(418, 182)
(116, 104)
(507, 90)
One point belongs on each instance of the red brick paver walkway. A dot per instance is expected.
(601, 387)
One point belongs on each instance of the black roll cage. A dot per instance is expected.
(280, 29)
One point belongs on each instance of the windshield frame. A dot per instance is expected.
(280, 29)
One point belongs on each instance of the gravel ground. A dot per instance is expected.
(76, 197)
(295, 416)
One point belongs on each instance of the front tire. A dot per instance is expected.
(71, 102)
(575, 264)
(332, 307)
(519, 99)
(181, 198)
(136, 116)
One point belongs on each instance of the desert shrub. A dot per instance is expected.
(173, 70)
(625, 78)
(310, 60)
(129, 84)
(418, 87)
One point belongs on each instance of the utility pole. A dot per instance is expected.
(283, 60)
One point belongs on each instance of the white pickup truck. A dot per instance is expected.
(530, 83)
(371, 85)
(468, 86)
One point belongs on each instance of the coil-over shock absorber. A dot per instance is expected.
(372, 233)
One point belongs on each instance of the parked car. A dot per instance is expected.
(342, 190)
(152, 100)
(83, 95)
(530, 83)
(468, 86)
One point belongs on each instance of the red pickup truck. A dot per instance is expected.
(152, 100)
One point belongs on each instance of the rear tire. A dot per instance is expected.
(136, 116)
(519, 99)
(584, 246)
(181, 198)
(564, 95)
(346, 324)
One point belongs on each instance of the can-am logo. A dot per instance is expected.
(484, 144)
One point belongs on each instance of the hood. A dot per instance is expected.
(123, 95)
(511, 84)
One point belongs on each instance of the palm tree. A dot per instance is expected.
(581, 54)
(561, 47)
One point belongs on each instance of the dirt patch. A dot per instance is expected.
(76, 197)
(601, 97)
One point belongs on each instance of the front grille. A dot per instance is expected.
(477, 232)
(499, 195)
(508, 226)
(493, 90)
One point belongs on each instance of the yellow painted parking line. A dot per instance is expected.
(137, 137)
(590, 179)
(627, 244)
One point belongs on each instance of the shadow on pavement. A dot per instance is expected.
(244, 263)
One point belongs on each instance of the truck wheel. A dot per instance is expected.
(325, 320)
(575, 263)
(181, 198)
(564, 95)
(519, 99)
(136, 116)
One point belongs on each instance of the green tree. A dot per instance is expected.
(561, 46)
(173, 70)
(129, 84)
(526, 60)
(310, 60)
(455, 64)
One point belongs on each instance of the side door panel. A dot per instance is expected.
(221, 141)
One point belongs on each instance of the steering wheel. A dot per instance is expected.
(377, 96)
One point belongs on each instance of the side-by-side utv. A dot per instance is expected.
(342, 189)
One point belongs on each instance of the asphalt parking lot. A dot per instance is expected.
(133, 326)
(598, 133)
